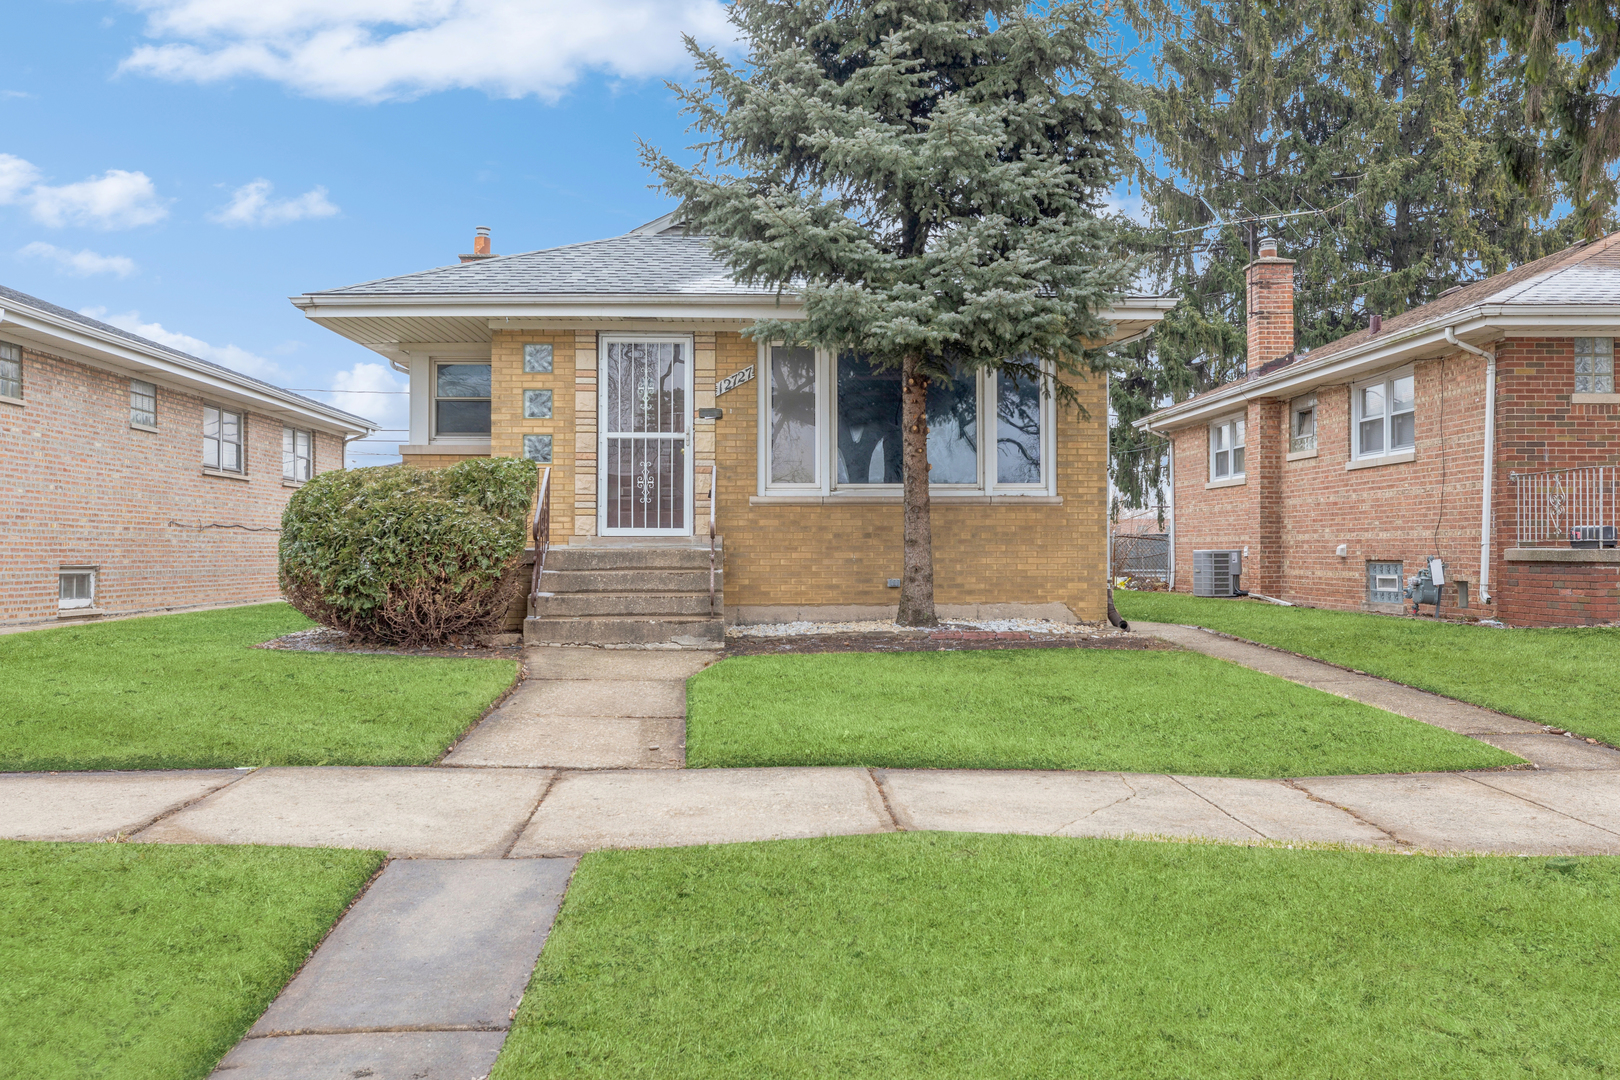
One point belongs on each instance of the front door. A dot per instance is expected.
(644, 460)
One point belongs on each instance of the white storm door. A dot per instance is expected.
(644, 457)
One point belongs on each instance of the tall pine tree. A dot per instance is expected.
(926, 175)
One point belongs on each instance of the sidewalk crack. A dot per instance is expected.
(1544, 806)
(551, 782)
(1314, 797)
(1097, 810)
(173, 810)
(1222, 809)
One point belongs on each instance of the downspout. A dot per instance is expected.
(1490, 461)
(1171, 524)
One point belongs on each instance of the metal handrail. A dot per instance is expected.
(542, 537)
(714, 497)
(1549, 504)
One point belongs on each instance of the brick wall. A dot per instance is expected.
(1560, 594)
(83, 488)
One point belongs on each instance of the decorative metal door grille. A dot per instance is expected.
(644, 437)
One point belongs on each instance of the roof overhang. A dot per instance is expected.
(52, 333)
(385, 324)
(1480, 326)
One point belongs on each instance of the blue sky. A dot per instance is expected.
(181, 167)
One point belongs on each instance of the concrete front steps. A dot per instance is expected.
(629, 591)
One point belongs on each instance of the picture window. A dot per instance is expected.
(1594, 365)
(142, 403)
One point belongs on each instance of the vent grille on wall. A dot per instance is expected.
(1217, 573)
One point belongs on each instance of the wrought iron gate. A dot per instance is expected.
(645, 462)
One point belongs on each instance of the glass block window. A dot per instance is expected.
(10, 371)
(537, 404)
(1384, 582)
(1594, 365)
(537, 448)
(297, 454)
(537, 359)
(142, 403)
(222, 439)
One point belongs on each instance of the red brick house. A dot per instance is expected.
(136, 478)
(1480, 428)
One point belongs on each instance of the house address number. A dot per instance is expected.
(734, 380)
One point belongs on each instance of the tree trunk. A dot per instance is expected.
(917, 578)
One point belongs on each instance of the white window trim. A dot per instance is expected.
(434, 363)
(1232, 478)
(76, 606)
(827, 485)
(241, 442)
(1389, 454)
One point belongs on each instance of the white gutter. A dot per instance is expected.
(1490, 461)
(1171, 524)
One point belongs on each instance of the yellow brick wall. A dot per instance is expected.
(983, 554)
(508, 380)
(436, 461)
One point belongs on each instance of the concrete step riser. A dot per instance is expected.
(567, 558)
(628, 581)
(571, 605)
(622, 631)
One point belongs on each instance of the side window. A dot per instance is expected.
(1384, 582)
(461, 400)
(1226, 449)
(791, 439)
(297, 454)
(1302, 425)
(11, 384)
(1385, 415)
(222, 439)
(1594, 365)
(142, 404)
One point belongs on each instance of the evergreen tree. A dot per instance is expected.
(1348, 129)
(926, 175)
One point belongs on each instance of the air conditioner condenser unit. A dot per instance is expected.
(1218, 572)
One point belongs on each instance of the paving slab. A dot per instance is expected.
(392, 1055)
(1055, 804)
(670, 808)
(445, 944)
(598, 697)
(1585, 796)
(89, 806)
(1451, 812)
(1279, 811)
(1430, 708)
(1556, 751)
(415, 813)
(573, 742)
(561, 662)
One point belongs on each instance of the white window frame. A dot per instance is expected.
(1595, 375)
(290, 460)
(433, 399)
(220, 441)
(144, 389)
(9, 382)
(1229, 423)
(826, 483)
(77, 603)
(1295, 442)
(1387, 381)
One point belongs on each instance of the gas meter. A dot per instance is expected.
(1425, 587)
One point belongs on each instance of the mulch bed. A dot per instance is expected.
(934, 641)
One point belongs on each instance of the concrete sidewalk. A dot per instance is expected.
(523, 813)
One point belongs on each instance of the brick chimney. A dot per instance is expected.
(1270, 286)
(480, 249)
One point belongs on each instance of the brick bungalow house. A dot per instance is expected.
(137, 478)
(1480, 428)
(621, 365)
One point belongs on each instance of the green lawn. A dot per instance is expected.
(188, 692)
(1569, 678)
(949, 955)
(149, 962)
(1161, 711)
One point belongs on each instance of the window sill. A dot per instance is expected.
(6, 399)
(894, 500)
(1230, 481)
(1300, 455)
(1400, 458)
(223, 475)
(293, 483)
(142, 427)
(1574, 399)
(79, 612)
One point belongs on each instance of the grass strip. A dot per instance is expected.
(149, 962)
(1566, 677)
(1160, 711)
(949, 955)
(189, 692)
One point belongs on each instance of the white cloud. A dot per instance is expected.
(231, 356)
(79, 263)
(378, 393)
(251, 205)
(379, 50)
(117, 199)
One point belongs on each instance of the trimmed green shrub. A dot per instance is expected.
(405, 556)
